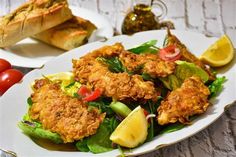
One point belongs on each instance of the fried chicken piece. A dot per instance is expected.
(60, 113)
(186, 101)
(119, 86)
(88, 64)
(186, 55)
(105, 51)
(159, 68)
(131, 60)
(151, 63)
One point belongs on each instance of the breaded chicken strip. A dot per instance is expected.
(60, 113)
(151, 63)
(119, 86)
(186, 101)
(186, 55)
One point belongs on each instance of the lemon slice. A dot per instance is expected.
(220, 53)
(132, 131)
(61, 76)
(65, 77)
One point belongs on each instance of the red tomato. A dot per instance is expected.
(84, 91)
(170, 53)
(93, 95)
(8, 78)
(4, 65)
(89, 95)
(145, 112)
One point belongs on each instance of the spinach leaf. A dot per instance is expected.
(113, 123)
(153, 127)
(103, 105)
(100, 142)
(146, 77)
(147, 47)
(150, 135)
(114, 64)
(216, 86)
(29, 101)
(176, 126)
(172, 128)
(82, 145)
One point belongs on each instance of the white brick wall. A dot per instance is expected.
(212, 17)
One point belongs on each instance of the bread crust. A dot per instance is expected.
(31, 18)
(68, 35)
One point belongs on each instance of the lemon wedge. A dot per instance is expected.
(220, 53)
(65, 77)
(132, 131)
(61, 76)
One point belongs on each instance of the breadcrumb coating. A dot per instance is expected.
(186, 101)
(60, 113)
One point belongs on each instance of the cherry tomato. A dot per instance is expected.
(8, 78)
(145, 112)
(88, 95)
(4, 65)
(93, 95)
(170, 53)
(84, 91)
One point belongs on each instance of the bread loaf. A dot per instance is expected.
(69, 34)
(31, 18)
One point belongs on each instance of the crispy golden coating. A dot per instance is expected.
(60, 113)
(186, 101)
(186, 55)
(151, 63)
(159, 68)
(121, 86)
(105, 51)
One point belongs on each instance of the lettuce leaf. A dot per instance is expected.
(216, 86)
(183, 71)
(82, 145)
(100, 142)
(35, 129)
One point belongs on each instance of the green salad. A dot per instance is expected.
(119, 98)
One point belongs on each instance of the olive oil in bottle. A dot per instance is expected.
(140, 19)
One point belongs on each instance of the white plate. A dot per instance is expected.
(33, 54)
(13, 103)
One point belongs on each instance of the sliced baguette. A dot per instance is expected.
(68, 35)
(31, 18)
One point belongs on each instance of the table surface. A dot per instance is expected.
(211, 17)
